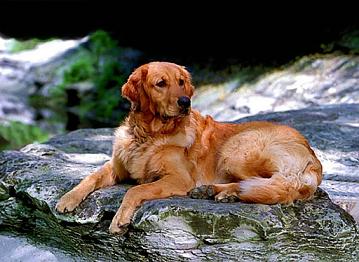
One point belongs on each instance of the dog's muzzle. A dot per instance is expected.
(184, 102)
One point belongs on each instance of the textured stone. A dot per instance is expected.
(310, 81)
(179, 228)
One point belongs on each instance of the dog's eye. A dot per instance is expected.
(161, 83)
(181, 82)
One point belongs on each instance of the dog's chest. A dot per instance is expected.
(136, 153)
(135, 158)
(132, 153)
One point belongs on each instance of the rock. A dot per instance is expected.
(180, 228)
(23, 73)
(14, 108)
(310, 81)
(19, 249)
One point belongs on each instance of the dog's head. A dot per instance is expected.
(160, 88)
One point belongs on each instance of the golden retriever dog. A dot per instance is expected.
(172, 150)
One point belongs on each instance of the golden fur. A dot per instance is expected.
(171, 149)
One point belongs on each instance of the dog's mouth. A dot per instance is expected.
(185, 111)
(182, 113)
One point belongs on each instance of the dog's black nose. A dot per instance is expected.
(184, 101)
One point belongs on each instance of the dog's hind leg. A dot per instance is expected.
(225, 193)
(270, 172)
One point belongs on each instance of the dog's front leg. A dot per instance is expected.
(170, 185)
(107, 175)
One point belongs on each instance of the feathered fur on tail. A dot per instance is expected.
(280, 188)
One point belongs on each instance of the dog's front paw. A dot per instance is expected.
(203, 192)
(67, 203)
(117, 229)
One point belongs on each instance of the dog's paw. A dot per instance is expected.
(202, 192)
(225, 197)
(118, 229)
(67, 203)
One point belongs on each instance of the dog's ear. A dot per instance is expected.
(132, 88)
(188, 82)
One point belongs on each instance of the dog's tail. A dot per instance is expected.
(282, 188)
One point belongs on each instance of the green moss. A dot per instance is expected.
(214, 228)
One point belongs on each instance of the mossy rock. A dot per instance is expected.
(174, 229)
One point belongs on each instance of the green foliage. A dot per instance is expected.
(14, 135)
(108, 88)
(351, 41)
(210, 76)
(101, 42)
(81, 70)
(98, 63)
(18, 46)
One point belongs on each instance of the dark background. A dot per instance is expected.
(185, 31)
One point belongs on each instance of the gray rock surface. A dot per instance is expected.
(14, 249)
(22, 72)
(179, 228)
(309, 81)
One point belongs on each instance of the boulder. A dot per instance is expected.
(179, 228)
(309, 81)
(20, 249)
